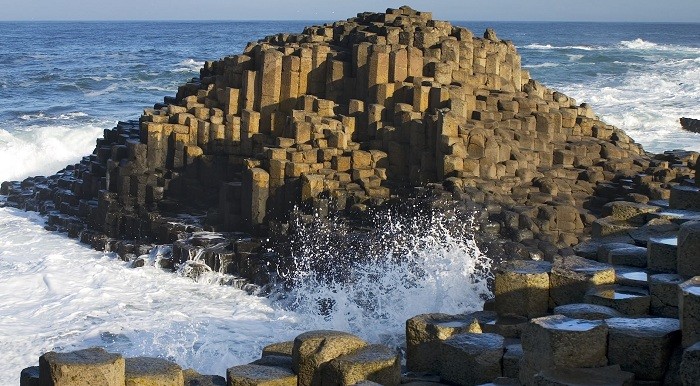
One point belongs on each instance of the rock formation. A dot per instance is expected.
(690, 124)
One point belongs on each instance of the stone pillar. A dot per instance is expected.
(256, 185)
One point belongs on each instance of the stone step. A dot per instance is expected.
(627, 300)
(471, 358)
(608, 376)
(586, 311)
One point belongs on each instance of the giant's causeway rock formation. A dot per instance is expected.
(603, 276)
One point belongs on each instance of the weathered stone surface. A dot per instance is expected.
(586, 311)
(685, 197)
(522, 288)
(688, 263)
(193, 378)
(279, 349)
(631, 256)
(561, 341)
(29, 376)
(560, 376)
(145, 371)
(375, 363)
(690, 365)
(573, 276)
(642, 346)
(663, 289)
(93, 366)
(511, 360)
(315, 348)
(661, 254)
(424, 333)
(471, 358)
(689, 310)
(627, 300)
(256, 375)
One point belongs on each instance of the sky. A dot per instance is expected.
(327, 10)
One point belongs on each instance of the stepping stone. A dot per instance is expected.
(573, 276)
(688, 263)
(628, 211)
(274, 361)
(662, 254)
(314, 348)
(279, 349)
(684, 197)
(471, 359)
(652, 341)
(689, 310)
(92, 366)
(558, 340)
(376, 363)
(663, 288)
(631, 256)
(29, 376)
(424, 333)
(604, 250)
(655, 228)
(511, 360)
(690, 365)
(256, 375)
(586, 311)
(627, 300)
(631, 277)
(678, 216)
(510, 326)
(145, 371)
(193, 378)
(609, 226)
(522, 288)
(608, 376)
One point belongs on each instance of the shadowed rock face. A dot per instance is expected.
(690, 124)
(349, 116)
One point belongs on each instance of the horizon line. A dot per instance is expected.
(331, 21)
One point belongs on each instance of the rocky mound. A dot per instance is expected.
(341, 118)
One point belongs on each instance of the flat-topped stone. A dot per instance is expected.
(376, 363)
(632, 256)
(193, 378)
(651, 340)
(508, 326)
(663, 288)
(586, 311)
(627, 300)
(92, 366)
(470, 359)
(314, 348)
(689, 310)
(690, 365)
(601, 376)
(654, 228)
(274, 361)
(678, 216)
(521, 287)
(609, 226)
(572, 276)
(424, 333)
(688, 257)
(604, 250)
(558, 340)
(631, 276)
(145, 371)
(279, 349)
(256, 375)
(628, 211)
(29, 376)
(511, 360)
(685, 197)
(661, 254)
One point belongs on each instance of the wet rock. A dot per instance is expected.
(627, 300)
(92, 366)
(375, 363)
(29, 376)
(690, 365)
(144, 371)
(690, 124)
(256, 375)
(689, 310)
(663, 289)
(469, 359)
(279, 349)
(573, 276)
(586, 311)
(661, 254)
(315, 348)
(688, 263)
(632, 256)
(642, 346)
(511, 360)
(193, 378)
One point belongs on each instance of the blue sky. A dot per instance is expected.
(493, 10)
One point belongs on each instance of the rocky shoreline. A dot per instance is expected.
(397, 111)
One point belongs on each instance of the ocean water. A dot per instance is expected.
(62, 83)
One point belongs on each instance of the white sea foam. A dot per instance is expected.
(58, 295)
(537, 46)
(574, 58)
(543, 65)
(189, 65)
(109, 89)
(43, 150)
(41, 116)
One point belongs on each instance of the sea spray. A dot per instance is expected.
(370, 283)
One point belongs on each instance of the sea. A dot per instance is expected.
(63, 83)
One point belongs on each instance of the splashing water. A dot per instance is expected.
(370, 284)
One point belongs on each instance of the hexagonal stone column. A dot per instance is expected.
(424, 333)
(661, 254)
(690, 365)
(93, 366)
(471, 359)
(572, 276)
(610, 375)
(522, 288)
(29, 376)
(586, 311)
(144, 371)
(375, 363)
(689, 310)
(257, 375)
(627, 300)
(313, 349)
(561, 341)
(688, 263)
(643, 346)
(663, 288)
